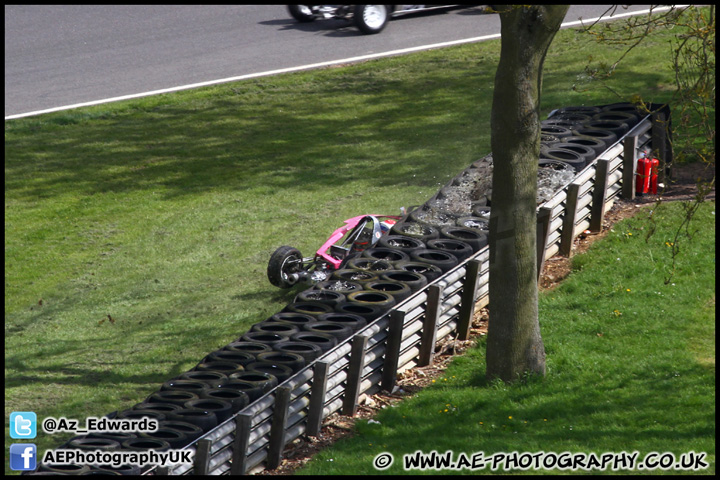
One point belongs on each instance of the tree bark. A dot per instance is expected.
(514, 344)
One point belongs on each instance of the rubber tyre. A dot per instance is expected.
(459, 248)
(401, 242)
(241, 358)
(482, 211)
(309, 308)
(368, 312)
(328, 297)
(619, 128)
(555, 130)
(92, 443)
(293, 318)
(211, 378)
(369, 264)
(546, 140)
(247, 347)
(601, 134)
(355, 322)
(581, 109)
(337, 330)
(413, 280)
(284, 261)
(573, 118)
(324, 341)
(560, 122)
(588, 154)
(371, 19)
(277, 370)
(175, 397)
(238, 399)
(301, 13)
(431, 272)
(295, 361)
(265, 381)
(399, 290)
(340, 286)
(618, 116)
(475, 223)
(443, 260)
(185, 385)
(252, 390)
(625, 107)
(137, 414)
(421, 231)
(308, 351)
(163, 408)
(353, 275)
(598, 146)
(279, 328)
(221, 408)
(577, 161)
(391, 255)
(63, 469)
(263, 337)
(117, 436)
(191, 431)
(378, 299)
(476, 239)
(141, 443)
(175, 438)
(226, 368)
(204, 419)
(436, 218)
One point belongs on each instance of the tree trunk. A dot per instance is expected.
(514, 344)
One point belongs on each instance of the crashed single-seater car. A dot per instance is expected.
(287, 267)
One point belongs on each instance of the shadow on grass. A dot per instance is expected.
(237, 142)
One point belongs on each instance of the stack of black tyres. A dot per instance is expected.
(578, 135)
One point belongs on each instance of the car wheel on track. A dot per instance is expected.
(371, 19)
(301, 13)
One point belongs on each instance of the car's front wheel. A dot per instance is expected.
(301, 13)
(283, 263)
(371, 18)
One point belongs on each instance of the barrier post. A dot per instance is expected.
(543, 231)
(467, 299)
(202, 457)
(277, 429)
(354, 375)
(429, 332)
(317, 398)
(243, 422)
(392, 349)
(599, 195)
(568, 227)
(629, 167)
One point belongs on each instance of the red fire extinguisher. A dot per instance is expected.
(654, 165)
(642, 182)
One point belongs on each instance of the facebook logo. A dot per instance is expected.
(23, 456)
(23, 425)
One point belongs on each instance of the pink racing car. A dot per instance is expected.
(287, 266)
